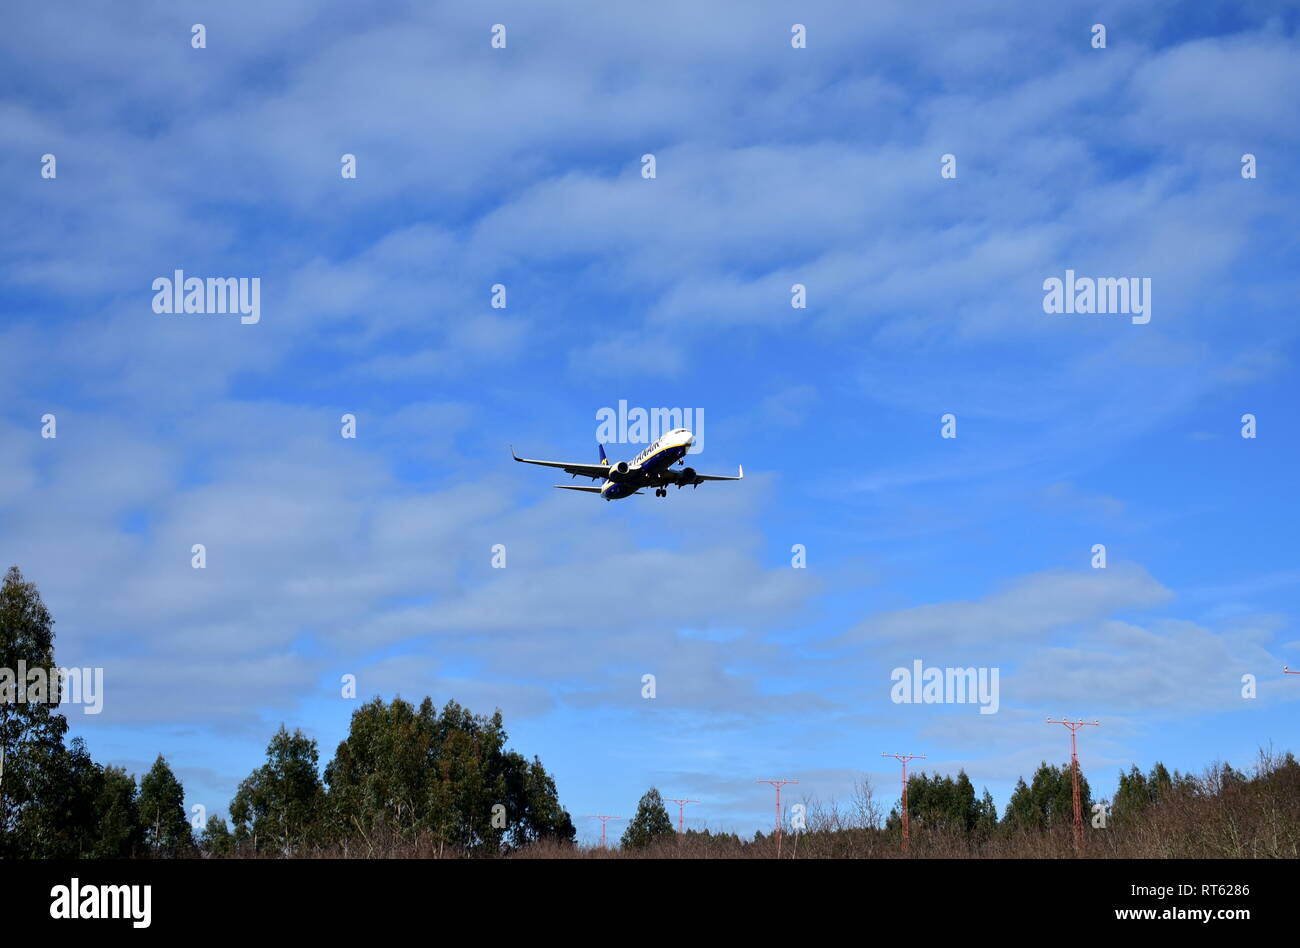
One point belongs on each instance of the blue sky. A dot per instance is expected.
(775, 166)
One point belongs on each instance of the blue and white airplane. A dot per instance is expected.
(651, 468)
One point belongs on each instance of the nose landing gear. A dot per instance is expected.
(661, 492)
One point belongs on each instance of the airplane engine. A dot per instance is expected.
(618, 470)
(687, 476)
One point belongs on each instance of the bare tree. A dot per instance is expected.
(865, 811)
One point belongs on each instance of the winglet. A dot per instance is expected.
(512, 453)
(741, 468)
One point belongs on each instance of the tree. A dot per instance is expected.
(1020, 814)
(31, 730)
(118, 815)
(60, 819)
(216, 841)
(405, 774)
(164, 829)
(532, 798)
(55, 802)
(945, 804)
(1048, 801)
(986, 817)
(469, 779)
(866, 812)
(650, 825)
(279, 805)
(378, 779)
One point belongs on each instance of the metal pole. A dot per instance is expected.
(1074, 774)
(603, 821)
(905, 758)
(778, 784)
(681, 806)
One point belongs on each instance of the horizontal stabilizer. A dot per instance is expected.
(589, 490)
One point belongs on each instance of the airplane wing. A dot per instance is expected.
(722, 477)
(681, 480)
(594, 471)
(687, 477)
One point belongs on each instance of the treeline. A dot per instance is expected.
(1221, 813)
(405, 781)
(411, 781)
(55, 801)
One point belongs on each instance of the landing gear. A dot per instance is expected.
(661, 492)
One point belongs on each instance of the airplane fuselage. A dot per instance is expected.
(648, 468)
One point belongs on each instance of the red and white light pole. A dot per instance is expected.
(905, 758)
(681, 806)
(603, 821)
(1074, 773)
(778, 784)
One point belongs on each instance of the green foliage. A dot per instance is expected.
(731, 839)
(650, 825)
(216, 840)
(279, 807)
(986, 817)
(1048, 801)
(421, 775)
(32, 760)
(408, 774)
(163, 828)
(530, 791)
(1137, 791)
(118, 815)
(415, 775)
(64, 790)
(946, 805)
(55, 801)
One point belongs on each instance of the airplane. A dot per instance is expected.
(650, 468)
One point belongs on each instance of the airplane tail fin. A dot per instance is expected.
(603, 460)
